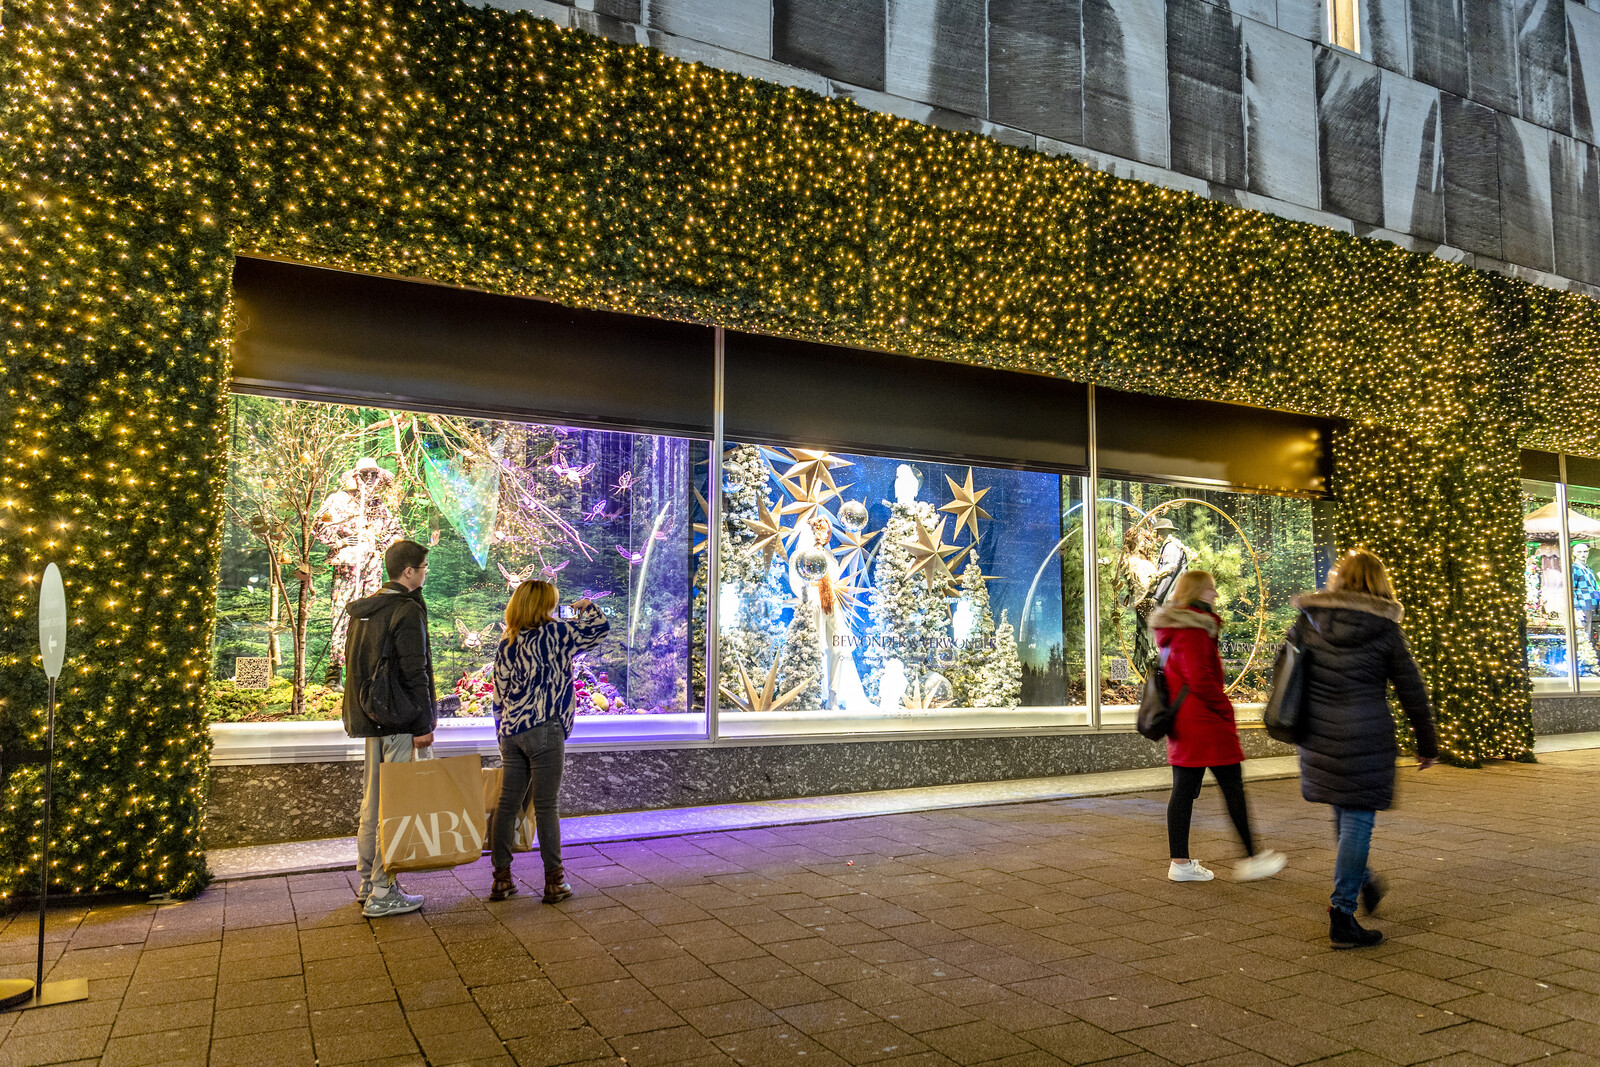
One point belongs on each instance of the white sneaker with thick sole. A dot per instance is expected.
(1188, 871)
(389, 900)
(1263, 864)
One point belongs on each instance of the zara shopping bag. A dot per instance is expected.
(430, 813)
(522, 840)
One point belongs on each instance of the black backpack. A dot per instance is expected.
(382, 696)
(1157, 710)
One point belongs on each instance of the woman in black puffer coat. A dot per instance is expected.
(1355, 649)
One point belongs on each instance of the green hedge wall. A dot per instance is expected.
(145, 144)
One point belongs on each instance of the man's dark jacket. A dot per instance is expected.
(391, 610)
(1356, 649)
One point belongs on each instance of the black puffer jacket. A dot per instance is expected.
(1356, 650)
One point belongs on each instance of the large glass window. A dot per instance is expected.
(1261, 549)
(864, 593)
(316, 492)
(1546, 586)
(1583, 527)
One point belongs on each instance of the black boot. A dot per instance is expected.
(1345, 932)
(1372, 892)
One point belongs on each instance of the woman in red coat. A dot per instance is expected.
(1203, 733)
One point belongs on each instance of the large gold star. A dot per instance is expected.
(809, 466)
(965, 505)
(927, 554)
(849, 594)
(769, 532)
(767, 697)
(806, 505)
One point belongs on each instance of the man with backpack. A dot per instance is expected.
(388, 700)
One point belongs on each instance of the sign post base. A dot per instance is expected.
(18, 993)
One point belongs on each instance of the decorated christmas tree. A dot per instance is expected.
(802, 662)
(999, 681)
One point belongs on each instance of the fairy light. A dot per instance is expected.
(147, 143)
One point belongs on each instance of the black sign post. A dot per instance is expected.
(20, 992)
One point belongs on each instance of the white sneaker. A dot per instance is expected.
(1188, 871)
(1263, 864)
(389, 900)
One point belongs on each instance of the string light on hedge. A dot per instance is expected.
(149, 144)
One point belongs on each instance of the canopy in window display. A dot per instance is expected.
(1261, 550)
(1548, 600)
(318, 491)
(869, 593)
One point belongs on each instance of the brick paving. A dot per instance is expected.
(1022, 935)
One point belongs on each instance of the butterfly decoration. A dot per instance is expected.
(660, 535)
(596, 594)
(471, 639)
(595, 513)
(633, 558)
(551, 572)
(624, 484)
(569, 472)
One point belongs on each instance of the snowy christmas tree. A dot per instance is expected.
(975, 638)
(909, 619)
(999, 681)
(802, 661)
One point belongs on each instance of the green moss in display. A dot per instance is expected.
(145, 145)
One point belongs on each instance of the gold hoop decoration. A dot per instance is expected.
(1261, 585)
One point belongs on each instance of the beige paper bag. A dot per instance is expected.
(430, 813)
(523, 839)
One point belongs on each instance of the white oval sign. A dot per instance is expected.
(52, 622)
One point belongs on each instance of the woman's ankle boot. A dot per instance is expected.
(1345, 932)
(556, 888)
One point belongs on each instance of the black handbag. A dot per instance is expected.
(1285, 714)
(1157, 711)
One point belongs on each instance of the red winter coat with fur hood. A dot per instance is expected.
(1204, 734)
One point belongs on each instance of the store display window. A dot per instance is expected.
(1262, 550)
(316, 492)
(1548, 589)
(863, 593)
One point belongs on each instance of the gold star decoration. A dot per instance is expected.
(808, 466)
(928, 552)
(853, 553)
(701, 528)
(806, 505)
(767, 697)
(849, 594)
(965, 505)
(769, 532)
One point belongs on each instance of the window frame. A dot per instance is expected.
(1337, 8)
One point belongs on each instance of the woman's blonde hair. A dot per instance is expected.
(533, 604)
(1362, 572)
(1189, 586)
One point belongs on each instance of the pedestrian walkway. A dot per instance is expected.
(1024, 934)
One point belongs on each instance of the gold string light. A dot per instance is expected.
(147, 144)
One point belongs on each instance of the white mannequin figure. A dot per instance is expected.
(907, 484)
(841, 682)
(892, 688)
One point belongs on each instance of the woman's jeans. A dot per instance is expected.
(1180, 806)
(1353, 827)
(532, 761)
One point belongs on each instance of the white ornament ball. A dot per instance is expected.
(732, 480)
(811, 564)
(936, 689)
(853, 516)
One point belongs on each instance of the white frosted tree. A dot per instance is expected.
(999, 682)
(975, 649)
(908, 616)
(802, 660)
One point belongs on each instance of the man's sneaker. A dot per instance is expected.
(1263, 864)
(1188, 871)
(389, 900)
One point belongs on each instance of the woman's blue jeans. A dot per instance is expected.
(532, 761)
(1353, 828)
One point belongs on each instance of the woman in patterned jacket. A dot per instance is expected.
(533, 718)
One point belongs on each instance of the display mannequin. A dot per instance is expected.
(357, 526)
(1552, 585)
(1585, 595)
(1174, 560)
(841, 682)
